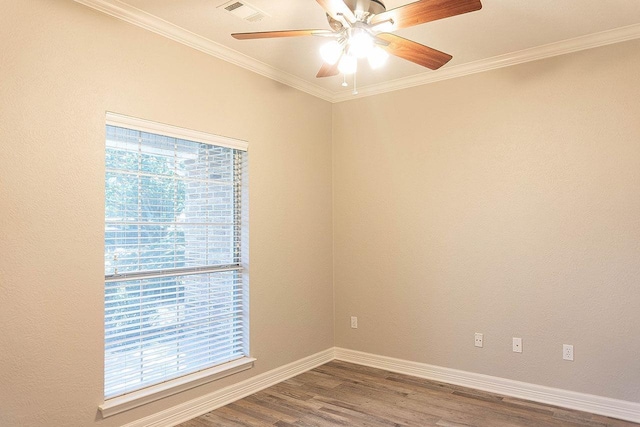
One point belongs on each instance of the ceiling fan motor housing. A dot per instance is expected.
(362, 9)
(373, 7)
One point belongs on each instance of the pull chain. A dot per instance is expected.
(355, 87)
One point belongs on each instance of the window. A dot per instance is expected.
(175, 257)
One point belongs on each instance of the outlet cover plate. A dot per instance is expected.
(567, 352)
(517, 345)
(479, 338)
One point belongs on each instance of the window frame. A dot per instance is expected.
(132, 399)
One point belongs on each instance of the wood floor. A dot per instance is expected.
(344, 394)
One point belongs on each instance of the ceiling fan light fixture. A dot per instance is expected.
(348, 64)
(360, 44)
(377, 58)
(331, 51)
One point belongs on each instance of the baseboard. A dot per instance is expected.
(196, 407)
(621, 409)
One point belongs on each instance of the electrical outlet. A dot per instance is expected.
(354, 322)
(567, 352)
(517, 345)
(478, 339)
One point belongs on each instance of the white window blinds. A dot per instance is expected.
(175, 251)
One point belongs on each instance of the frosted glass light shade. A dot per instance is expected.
(378, 57)
(330, 52)
(360, 45)
(348, 64)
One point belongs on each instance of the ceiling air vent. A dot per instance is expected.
(244, 10)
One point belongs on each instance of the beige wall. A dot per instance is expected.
(62, 65)
(506, 203)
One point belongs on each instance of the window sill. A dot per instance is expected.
(134, 399)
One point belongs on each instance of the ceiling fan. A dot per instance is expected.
(362, 29)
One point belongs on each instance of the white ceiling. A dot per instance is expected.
(503, 32)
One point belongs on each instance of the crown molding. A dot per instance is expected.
(173, 32)
(590, 41)
(159, 26)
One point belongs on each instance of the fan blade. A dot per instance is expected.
(425, 11)
(412, 51)
(337, 8)
(274, 34)
(328, 70)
